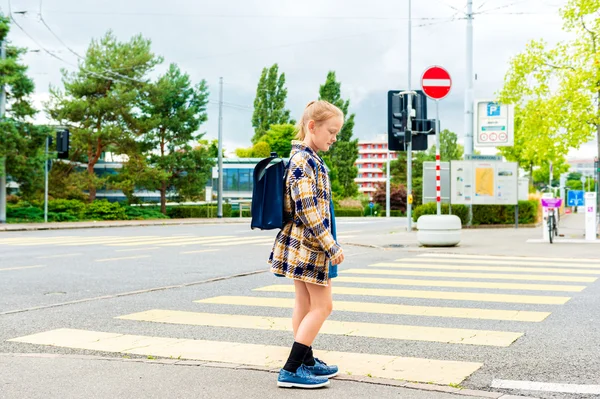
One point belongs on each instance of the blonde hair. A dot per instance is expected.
(318, 111)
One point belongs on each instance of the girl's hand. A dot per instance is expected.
(339, 257)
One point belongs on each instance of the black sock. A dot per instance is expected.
(296, 357)
(309, 360)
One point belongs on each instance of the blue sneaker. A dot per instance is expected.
(321, 369)
(301, 379)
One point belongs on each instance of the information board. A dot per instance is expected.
(484, 183)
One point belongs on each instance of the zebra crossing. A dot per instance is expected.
(461, 287)
(139, 241)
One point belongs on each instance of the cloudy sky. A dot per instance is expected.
(365, 42)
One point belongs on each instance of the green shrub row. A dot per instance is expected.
(484, 214)
(61, 210)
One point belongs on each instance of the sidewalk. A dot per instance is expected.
(505, 241)
(35, 376)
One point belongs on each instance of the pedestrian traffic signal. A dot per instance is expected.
(62, 143)
(398, 133)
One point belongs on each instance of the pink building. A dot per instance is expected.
(372, 155)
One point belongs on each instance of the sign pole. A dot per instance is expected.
(438, 178)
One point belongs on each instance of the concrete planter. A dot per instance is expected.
(438, 230)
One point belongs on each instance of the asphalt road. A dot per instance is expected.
(85, 279)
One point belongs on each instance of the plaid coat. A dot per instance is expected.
(305, 245)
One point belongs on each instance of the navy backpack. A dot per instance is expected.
(268, 192)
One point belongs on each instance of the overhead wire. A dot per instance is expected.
(50, 53)
(43, 21)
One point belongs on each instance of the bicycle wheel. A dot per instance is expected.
(550, 227)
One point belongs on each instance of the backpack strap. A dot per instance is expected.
(259, 170)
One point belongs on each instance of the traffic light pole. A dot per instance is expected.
(3, 172)
(46, 182)
(409, 131)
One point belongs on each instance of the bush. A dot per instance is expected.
(61, 217)
(376, 211)
(348, 212)
(236, 213)
(19, 213)
(104, 210)
(74, 208)
(393, 212)
(430, 208)
(144, 213)
(485, 214)
(197, 211)
(12, 199)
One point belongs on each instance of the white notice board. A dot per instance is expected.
(483, 182)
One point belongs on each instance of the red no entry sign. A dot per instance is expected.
(436, 82)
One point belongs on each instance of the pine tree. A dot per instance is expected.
(342, 156)
(269, 104)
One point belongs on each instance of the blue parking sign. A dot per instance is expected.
(575, 198)
(493, 109)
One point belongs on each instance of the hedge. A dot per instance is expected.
(197, 211)
(485, 214)
(61, 210)
(348, 212)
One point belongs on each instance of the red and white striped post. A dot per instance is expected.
(436, 83)
(438, 164)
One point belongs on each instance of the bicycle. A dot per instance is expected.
(552, 224)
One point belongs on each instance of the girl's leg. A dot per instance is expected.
(321, 306)
(301, 306)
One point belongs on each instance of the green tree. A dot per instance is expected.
(342, 156)
(99, 101)
(173, 110)
(269, 104)
(279, 138)
(21, 143)
(449, 147)
(212, 147)
(258, 150)
(541, 175)
(398, 172)
(555, 90)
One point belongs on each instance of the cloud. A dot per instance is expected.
(365, 43)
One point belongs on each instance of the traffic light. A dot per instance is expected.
(420, 123)
(398, 121)
(62, 143)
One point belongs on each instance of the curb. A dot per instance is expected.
(105, 224)
(360, 379)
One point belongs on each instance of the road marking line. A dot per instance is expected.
(377, 366)
(57, 256)
(242, 242)
(332, 327)
(498, 276)
(495, 262)
(546, 386)
(123, 258)
(457, 296)
(200, 251)
(172, 241)
(487, 268)
(386, 308)
(502, 257)
(137, 249)
(463, 284)
(70, 241)
(21, 268)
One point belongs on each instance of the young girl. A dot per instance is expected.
(306, 249)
